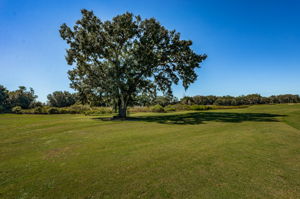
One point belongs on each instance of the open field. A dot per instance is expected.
(239, 153)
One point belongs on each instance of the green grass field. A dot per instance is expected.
(239, 153)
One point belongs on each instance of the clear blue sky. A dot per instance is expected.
(253, 46)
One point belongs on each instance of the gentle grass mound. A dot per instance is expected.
(239, 153)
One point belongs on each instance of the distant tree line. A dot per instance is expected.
(240, 100)
(24, 98)
(21, 97)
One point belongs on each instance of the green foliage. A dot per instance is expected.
(75, 109)
(226, 100)
(180, 107)
(183, 107)
(40, 110)
(165, 100)
(17, 109)
(36, 110)
(2, 109)
(158, 108)
(128, 56)
(99, 111)
(169, 108)
(187, 100)
(78, 108)
(4, 99)
(280, 99)
(61, 99)
(199, 107)
(240, 100)
(36, 104)
(21, 97)
(53, 110)
(148, 100)
(140, 109)
(144, 100)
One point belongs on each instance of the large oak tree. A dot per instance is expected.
(127, 56)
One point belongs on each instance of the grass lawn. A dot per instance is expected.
(239, 153)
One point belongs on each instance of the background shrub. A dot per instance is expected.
(40, 110)
(140, 109)
(170, 108)
(199, 107)
(78, 108)
(158, 109)
(53, 110)
(99, 111)
(17, 109)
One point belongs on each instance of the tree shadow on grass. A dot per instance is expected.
(201, 117)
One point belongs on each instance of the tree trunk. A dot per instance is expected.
(122, 111)
(122, 105)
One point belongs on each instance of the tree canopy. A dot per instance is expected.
(22, 97)
(119, 59)
(61, 99)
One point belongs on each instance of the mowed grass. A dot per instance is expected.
(239, 153)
